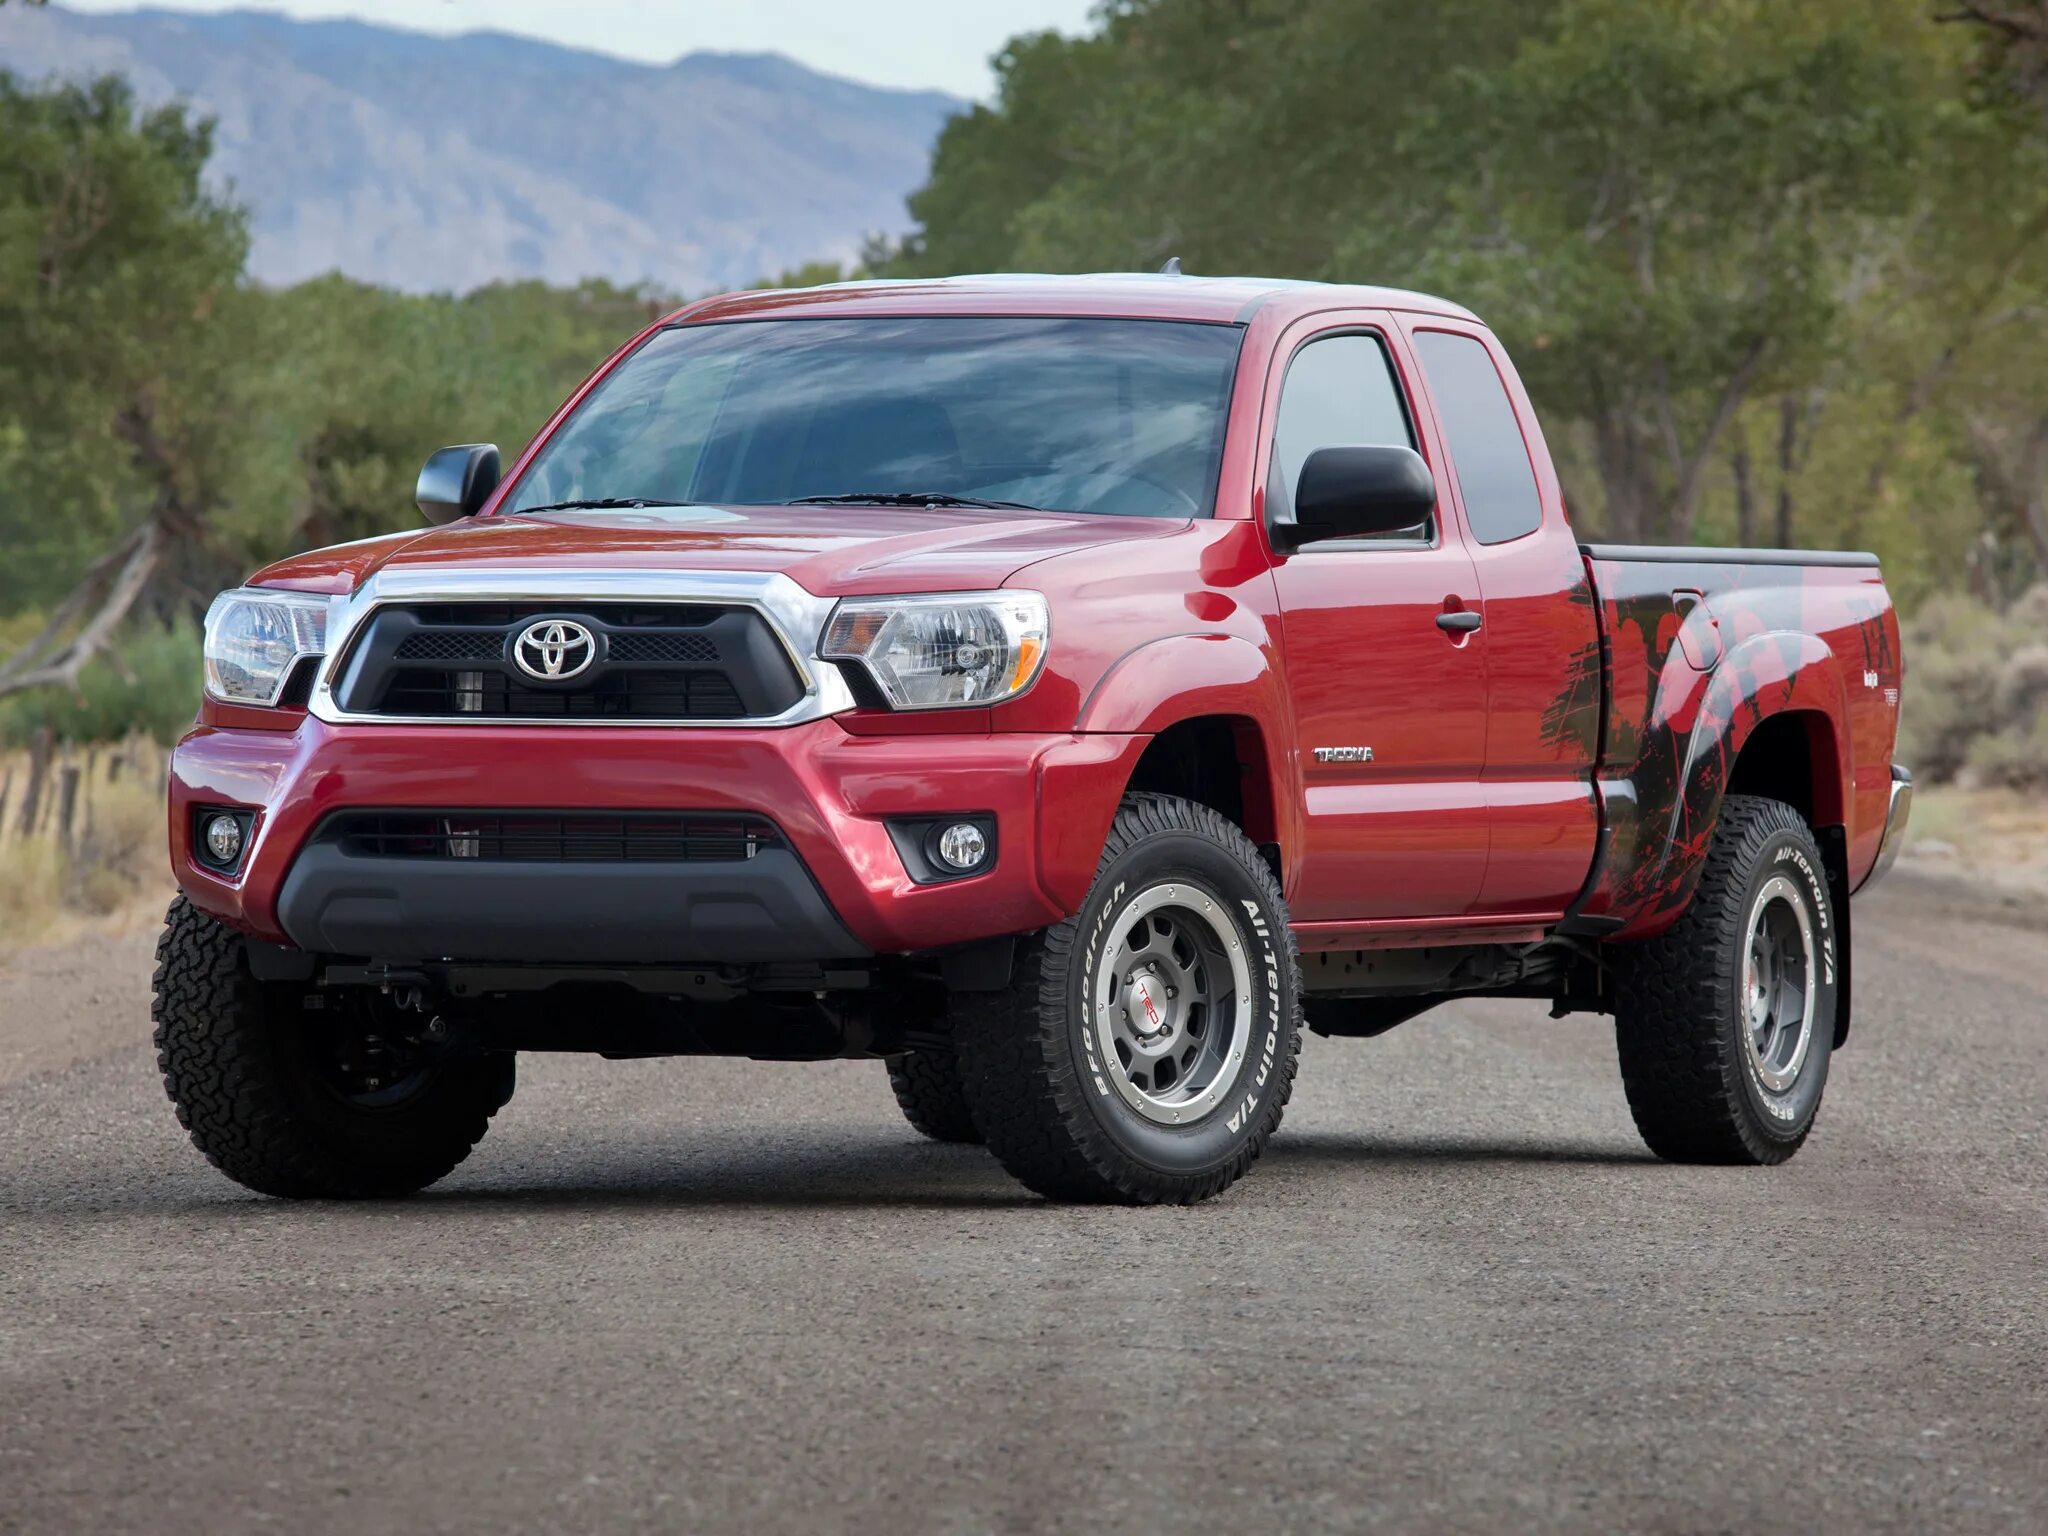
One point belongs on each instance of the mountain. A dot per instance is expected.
(429, 163)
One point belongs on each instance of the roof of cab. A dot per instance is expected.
(1136, 295)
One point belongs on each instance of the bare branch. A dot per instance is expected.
(2014, 24)
(109, 590)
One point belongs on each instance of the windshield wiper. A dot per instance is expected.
(911, 499)
(600, 504)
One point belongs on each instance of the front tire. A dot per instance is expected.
(1725, 1023)
(307, 1102)
(1146, 1047)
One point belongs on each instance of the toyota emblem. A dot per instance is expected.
(554, 650)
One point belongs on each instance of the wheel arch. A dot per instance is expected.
(1769, 720)
(1793, 755)
(1215, 760)
(1216, 714)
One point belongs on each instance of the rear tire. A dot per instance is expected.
(1724, 1024)
(262, 1083)
(1146, 1046)
(927, 1089)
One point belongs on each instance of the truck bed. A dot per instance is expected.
(1697, 647)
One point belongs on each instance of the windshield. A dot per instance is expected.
(1115, 416)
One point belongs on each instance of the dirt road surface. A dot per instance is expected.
(705, 1296)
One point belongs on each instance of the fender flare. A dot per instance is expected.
(1184, 677)
(1699, 723)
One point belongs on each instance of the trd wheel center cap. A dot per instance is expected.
(1145, 998)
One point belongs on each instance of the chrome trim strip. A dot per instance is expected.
(1896, 815)
(796, 616)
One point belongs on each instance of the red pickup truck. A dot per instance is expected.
(1061, 689)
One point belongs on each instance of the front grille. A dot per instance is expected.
(618, 695)
(553, 836)
(453, 645)
(633, 646)
(654, 662)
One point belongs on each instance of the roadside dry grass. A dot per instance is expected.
(1997, 836)
(81, 841)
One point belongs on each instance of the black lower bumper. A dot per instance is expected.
(737, 911)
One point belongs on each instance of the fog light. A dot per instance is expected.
(223, 839)
(963, 845)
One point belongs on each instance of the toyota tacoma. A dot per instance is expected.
(1059, 690)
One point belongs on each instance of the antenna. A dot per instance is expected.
(1172, 267)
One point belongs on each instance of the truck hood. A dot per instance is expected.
(830, 551)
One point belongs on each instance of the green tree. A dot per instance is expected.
(1240, 135)
(120, 328)
(1658, 204)
(357, 385)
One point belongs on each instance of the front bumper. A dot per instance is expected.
(830, 791)
(569, 913)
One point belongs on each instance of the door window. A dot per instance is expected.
(1340, 393)
(1492, 460)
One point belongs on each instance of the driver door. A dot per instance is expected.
(1389, 705)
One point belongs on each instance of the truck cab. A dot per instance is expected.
(1064, 690)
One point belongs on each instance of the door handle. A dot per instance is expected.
(1459, 621)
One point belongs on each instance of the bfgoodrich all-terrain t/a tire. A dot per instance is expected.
(927, 1089)
(1146, 1046)
(1724, 1023)
(254, 1075)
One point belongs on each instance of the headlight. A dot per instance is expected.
(942, 652)
(254, 637)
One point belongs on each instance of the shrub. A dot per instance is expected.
(1947, 706)
(1976, 697)
(2013, 758)
(2030, 611)
(2022, 689)
(1954, 646)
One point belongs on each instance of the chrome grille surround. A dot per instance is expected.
(796, 616)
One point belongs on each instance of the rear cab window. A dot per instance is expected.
(1488, 452)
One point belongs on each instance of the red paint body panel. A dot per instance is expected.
(1542, 645)
(832, 551)
(1570, 755)
(826, 789)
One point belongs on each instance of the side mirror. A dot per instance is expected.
(1350, 493)
(457, 481)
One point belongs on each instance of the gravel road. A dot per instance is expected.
(706, 1295)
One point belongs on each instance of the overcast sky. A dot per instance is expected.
(941, 44)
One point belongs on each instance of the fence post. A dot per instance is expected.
(38, 775)
(67, 802)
